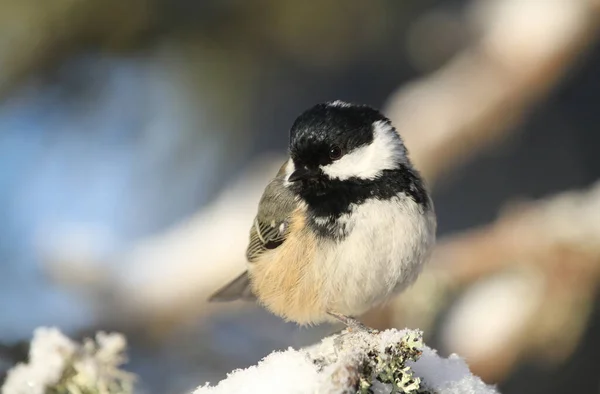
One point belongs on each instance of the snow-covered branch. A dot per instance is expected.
(393, 361)
(57, 365)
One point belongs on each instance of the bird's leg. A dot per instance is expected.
(352, 323)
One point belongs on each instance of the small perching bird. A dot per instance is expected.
(346, 223)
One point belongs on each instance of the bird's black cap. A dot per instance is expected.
(323, 126)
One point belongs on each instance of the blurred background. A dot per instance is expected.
(136, 138)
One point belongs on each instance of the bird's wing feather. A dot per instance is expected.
(270, 227)
(268, 231)
(265, 236)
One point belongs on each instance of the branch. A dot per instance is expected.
(356, 362)
(524, 49)
(350, 362)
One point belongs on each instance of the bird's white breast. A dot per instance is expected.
(387, 243)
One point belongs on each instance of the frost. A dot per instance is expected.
(58, 365)
(392, 361)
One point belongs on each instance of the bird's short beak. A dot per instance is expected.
(302, 173)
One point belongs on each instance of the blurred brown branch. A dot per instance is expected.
(523, 50)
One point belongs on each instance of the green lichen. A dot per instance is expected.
(389, 367)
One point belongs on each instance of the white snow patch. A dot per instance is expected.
(290, 371)
(448, 375)
(48, 357)
(55, 360)
(325, 367)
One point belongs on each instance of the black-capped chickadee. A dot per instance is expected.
(346, 223)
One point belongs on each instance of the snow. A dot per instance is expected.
(48, 356)
(290, 371)
(448, 375)
(333, 366)
(56, 361)
(351, 361)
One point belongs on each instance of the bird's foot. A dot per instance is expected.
(352, 324)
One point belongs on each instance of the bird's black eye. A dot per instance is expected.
(335, 152)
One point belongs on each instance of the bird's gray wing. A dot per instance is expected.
(270, 227)
(265, 235)
(268, 231)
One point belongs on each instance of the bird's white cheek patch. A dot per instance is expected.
(368, 162)
(354, 164)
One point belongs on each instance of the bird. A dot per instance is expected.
(346, 224)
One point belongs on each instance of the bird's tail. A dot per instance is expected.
(237, 289)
